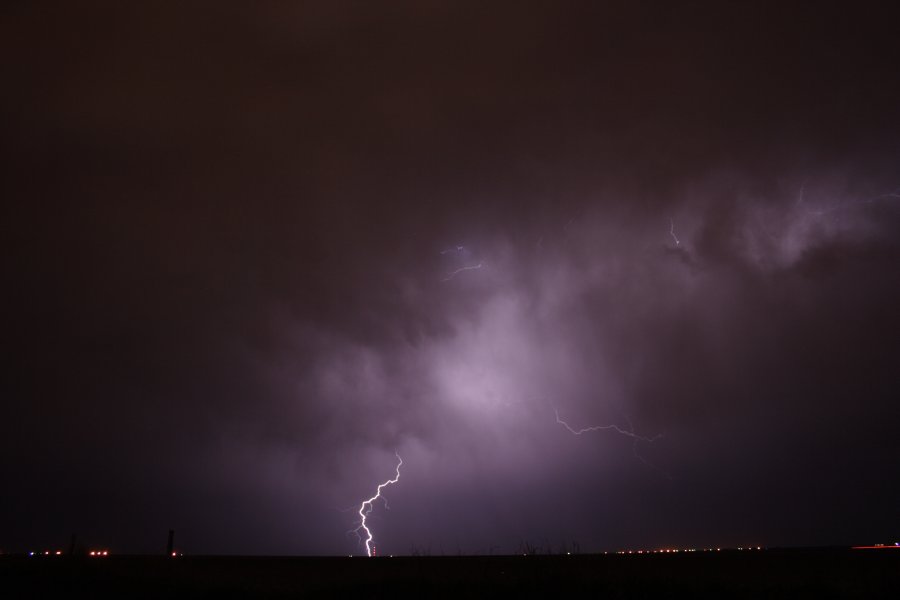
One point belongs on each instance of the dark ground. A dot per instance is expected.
(832, 573)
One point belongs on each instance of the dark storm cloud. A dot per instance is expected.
(251, 253)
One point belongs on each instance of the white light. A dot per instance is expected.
(363, 513)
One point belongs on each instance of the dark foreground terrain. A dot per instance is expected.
(727, 574)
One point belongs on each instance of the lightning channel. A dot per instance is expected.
(672, 232)
(367, 505)
(453, 274)
(636, 439)
(849, 204)
(613, 427)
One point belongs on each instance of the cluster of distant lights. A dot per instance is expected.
(683, 550)
(674, 550)
(59, 553)
(94, 553)
(895, 545)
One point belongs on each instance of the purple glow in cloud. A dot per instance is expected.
(346, 238)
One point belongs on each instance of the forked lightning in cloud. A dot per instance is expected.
(615, 428)
(626, 432)
(366, 507)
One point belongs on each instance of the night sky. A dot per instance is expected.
(251, 250)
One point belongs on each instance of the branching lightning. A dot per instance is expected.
(366, 507)
(626, 432)
(616, 428)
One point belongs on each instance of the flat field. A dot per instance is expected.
(807, 573)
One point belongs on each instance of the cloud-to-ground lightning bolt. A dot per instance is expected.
(366, 507)
(460, 270)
